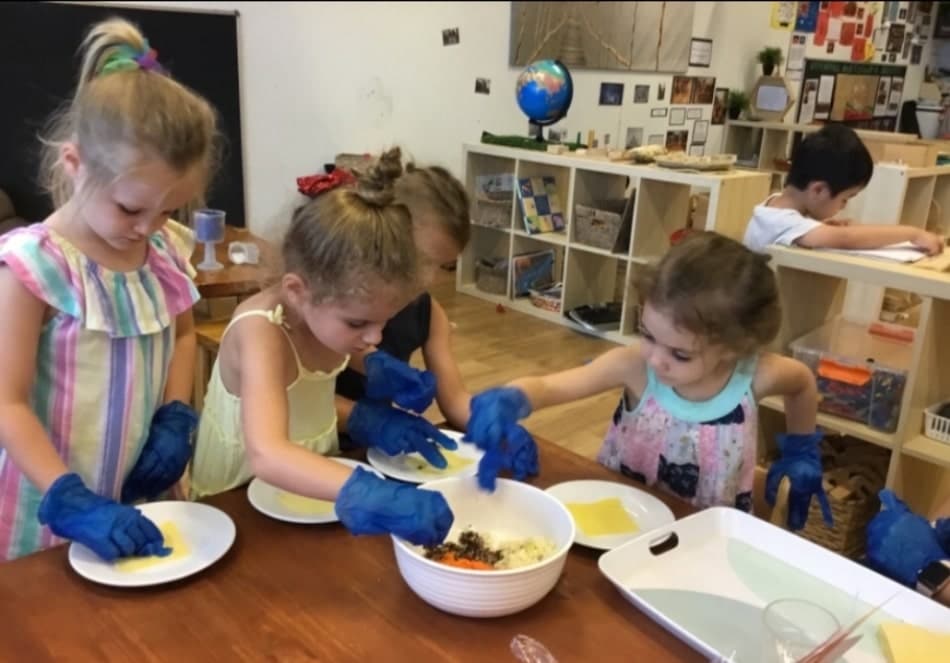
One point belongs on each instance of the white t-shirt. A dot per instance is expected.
(774, 225)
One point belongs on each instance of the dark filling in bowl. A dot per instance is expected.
(470, 546)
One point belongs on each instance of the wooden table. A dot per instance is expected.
(292, 593)
(234, 280)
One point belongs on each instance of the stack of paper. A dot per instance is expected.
(902, 252)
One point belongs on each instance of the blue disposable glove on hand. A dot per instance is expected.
(389, 379)
(901, 543)
(518, 453)
(377, 424)
(494, 413)
(801, 463)
(165, 454)
(110, 529)
(370, 505)
(943, 534)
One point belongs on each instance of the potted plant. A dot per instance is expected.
(770, 57)
(738, 102)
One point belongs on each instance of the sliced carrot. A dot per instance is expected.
(449, 559)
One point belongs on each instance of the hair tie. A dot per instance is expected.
(314, 185)
(125, 57)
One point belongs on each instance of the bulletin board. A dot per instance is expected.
(855, 35)
(39, 65)
(862, 95)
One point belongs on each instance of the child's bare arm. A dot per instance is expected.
(621, 367)
(264, 416)
(829, 236)
(22, 435)
(451, 394)
(782, 376)
(181, 371)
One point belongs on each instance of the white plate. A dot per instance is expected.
(404, 466)
(266, 498)
(648, 512)
(209, 533)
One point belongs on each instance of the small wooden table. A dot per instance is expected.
(235, 280)
(316, 593)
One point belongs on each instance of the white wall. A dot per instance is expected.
(323, 78)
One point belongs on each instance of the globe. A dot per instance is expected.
(544, 92)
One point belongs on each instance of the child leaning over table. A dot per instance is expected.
(687, 420)
(350, 263)
(829, 167)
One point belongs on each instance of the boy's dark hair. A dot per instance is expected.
(833, 155)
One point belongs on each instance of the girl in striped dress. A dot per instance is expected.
(98, 344)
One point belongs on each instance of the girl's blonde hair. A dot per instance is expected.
(119, 104)
(350, 240)
(716, 288)
(433, 193)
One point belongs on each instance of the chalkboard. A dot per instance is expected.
(38, 69)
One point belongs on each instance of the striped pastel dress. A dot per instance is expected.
(102, 362)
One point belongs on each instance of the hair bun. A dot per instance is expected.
(375, 185)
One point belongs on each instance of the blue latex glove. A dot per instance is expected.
(943, 534)
(165, 454)
(109, 529)
(494, 413)
(370, 505)
(801, 463)
(901, 543)
(389, 379)
(518, 453)
(377, 424)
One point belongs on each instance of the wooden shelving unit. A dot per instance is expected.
(759, 144)
(812, 285)
(589, 274)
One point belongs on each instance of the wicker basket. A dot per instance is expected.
(598, 227)
(492, 277)
(852, 483)
(492, 213)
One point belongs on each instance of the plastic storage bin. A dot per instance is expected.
(937, 422)
(861, 375)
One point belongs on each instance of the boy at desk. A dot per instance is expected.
(829, 167)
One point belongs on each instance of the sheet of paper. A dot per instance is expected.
(903, 252)
(455, 462)
(809, 99)
(603, 517)
(883, 92)
(826, 88)
(304, 506)
(796, 54)
(834, 30)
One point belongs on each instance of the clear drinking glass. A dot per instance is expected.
(793, 628)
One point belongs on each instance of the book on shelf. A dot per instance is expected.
(532, 271)
(540, 204)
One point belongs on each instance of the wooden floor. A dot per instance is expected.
(492, 348)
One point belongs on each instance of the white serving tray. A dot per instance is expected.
(709, 588)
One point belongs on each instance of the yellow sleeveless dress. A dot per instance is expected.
(220, 461)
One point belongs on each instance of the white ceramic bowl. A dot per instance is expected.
(515, 510)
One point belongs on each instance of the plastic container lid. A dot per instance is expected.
(853, 343)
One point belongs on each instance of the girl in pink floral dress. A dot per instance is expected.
(686, 420)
